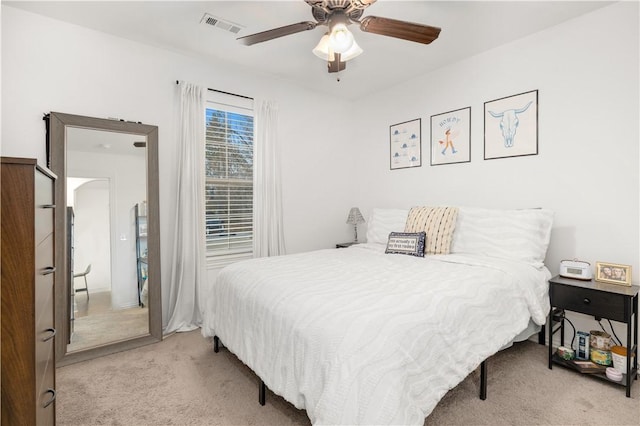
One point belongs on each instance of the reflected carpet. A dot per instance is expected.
(96, 329)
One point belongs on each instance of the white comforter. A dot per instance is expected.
(356, 336)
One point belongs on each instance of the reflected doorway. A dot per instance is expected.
(105, 181)
(91, 234)
(98, 315)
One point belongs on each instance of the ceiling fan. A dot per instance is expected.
(338, 46)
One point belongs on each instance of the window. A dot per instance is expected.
(228, 183)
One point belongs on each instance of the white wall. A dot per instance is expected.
(49, 65)
(92, 235)
(587, 169)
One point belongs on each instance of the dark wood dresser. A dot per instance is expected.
(28, 365)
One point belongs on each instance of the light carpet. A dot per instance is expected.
(181, 381)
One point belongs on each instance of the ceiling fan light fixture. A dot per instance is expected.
(323, 50)
(354, 51)
(338, 45)
(340, 38)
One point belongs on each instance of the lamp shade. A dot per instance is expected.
(323, 50)
(340, 38)
(355, 217)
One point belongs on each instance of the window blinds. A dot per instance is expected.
(228, 182)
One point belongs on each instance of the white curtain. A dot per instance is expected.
(268, 233)
(188, 267)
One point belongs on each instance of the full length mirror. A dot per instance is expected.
(107, 236)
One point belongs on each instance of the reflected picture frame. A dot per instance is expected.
(405, 144)
(613, 273)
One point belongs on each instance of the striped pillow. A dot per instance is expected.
(438, 223)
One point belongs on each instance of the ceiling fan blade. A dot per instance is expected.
(277, 32)
(419, 33)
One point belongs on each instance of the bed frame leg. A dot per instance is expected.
(216, 344)
(262, 393)
(483, 380)
(541, 335)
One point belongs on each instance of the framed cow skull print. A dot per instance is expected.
(511, 126)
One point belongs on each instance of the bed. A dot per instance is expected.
(362, 336)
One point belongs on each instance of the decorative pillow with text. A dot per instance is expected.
(411, 243)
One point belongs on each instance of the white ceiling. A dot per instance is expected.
(103, 141)
(468, 28)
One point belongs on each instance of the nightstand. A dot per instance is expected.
(345, 245)
(615, 302)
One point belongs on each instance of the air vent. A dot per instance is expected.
(214, 21)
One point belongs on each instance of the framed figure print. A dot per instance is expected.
(511, 126)
(451, 137)
(405, 145)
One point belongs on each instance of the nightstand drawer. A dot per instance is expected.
(590, 302)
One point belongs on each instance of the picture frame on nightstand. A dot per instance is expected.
(613, 273)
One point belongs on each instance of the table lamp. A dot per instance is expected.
(354, 218)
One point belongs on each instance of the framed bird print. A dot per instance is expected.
(405, 144)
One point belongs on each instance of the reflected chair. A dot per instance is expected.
(83, 275)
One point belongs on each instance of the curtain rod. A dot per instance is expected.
(225, 93)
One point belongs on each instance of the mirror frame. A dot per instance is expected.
(57, 158)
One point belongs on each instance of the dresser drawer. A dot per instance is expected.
(46, 405)
(44, 280)
(44, 260)
(589, 302)
(44, 363)
(43, 223)
(44, 338)
(44, 207)
(44, 319)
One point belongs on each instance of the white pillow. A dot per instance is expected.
(508, 234)
(384, 221)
